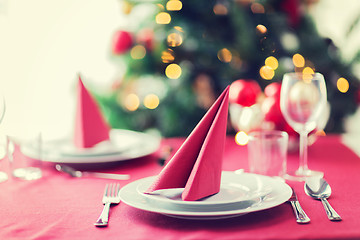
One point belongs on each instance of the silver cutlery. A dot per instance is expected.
(300, 215)
(318, 188)
(111, 196)
(76, 173)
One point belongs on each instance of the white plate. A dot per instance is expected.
(123, 145)
(231, 193)
(280, 192)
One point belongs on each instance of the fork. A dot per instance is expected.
(111, 196)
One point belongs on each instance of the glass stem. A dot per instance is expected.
(303, 167)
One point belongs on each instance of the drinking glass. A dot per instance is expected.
(3, 175)
(267, 152)
(23, 166)
(302, 100)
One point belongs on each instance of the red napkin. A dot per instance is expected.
(90, 126)
(197, 165)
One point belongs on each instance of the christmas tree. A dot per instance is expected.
(180, 55)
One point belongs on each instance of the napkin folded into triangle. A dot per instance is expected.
(197, 165)
(90, 126)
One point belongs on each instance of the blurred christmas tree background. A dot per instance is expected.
(175, 57)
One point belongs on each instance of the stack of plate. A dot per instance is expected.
(239, 194)
(122, 145)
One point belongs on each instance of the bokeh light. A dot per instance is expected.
(174, 40)
(220, 9)
(272, 62)
(342, 85)
(267, 72)
(174, 5)
(241, 138)
(132, 102)
(163, 18)
(168, 56)
(320, 133)
(151, 101)
(224, 55)
(173, 71)
(261, 29)
(138, 52)
(178, 28)
(257, 8)
(298, 60)
(308, 71)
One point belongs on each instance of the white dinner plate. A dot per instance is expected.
(123, 145)
(279, 193)
(231, 193)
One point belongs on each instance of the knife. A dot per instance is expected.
(300, 215)
(75, 173)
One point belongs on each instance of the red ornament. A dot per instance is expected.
(271, 109)
(244, 92)
(358, 97)
(122, 42)
(146, 37)
(287, 128)
(273, 90)
(293, 9)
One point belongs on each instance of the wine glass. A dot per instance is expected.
(3, 175)
(302, 100)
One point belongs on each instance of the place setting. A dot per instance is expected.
(93, 140)
(92, 143)
(192, 185)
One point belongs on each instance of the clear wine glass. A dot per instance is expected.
(302, 100)
(3, 175)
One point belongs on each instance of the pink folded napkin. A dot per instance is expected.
(90, 126)
(196, 166)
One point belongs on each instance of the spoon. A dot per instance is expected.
(318, 188)
(75, 173)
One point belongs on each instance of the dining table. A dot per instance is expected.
(58, 206)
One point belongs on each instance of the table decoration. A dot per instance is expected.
(90, 126)
(197, 164)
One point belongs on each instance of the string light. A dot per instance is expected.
(138, 52)
(224, 55)
(342, 85)
(151, 101)
(267, 72)
(298, 60)
(163, 18)
(174, 5)
(241, 138)
(132, 102)
(174, 40)
(173, 71)
(272, 62)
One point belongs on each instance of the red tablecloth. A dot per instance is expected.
(61, 207)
